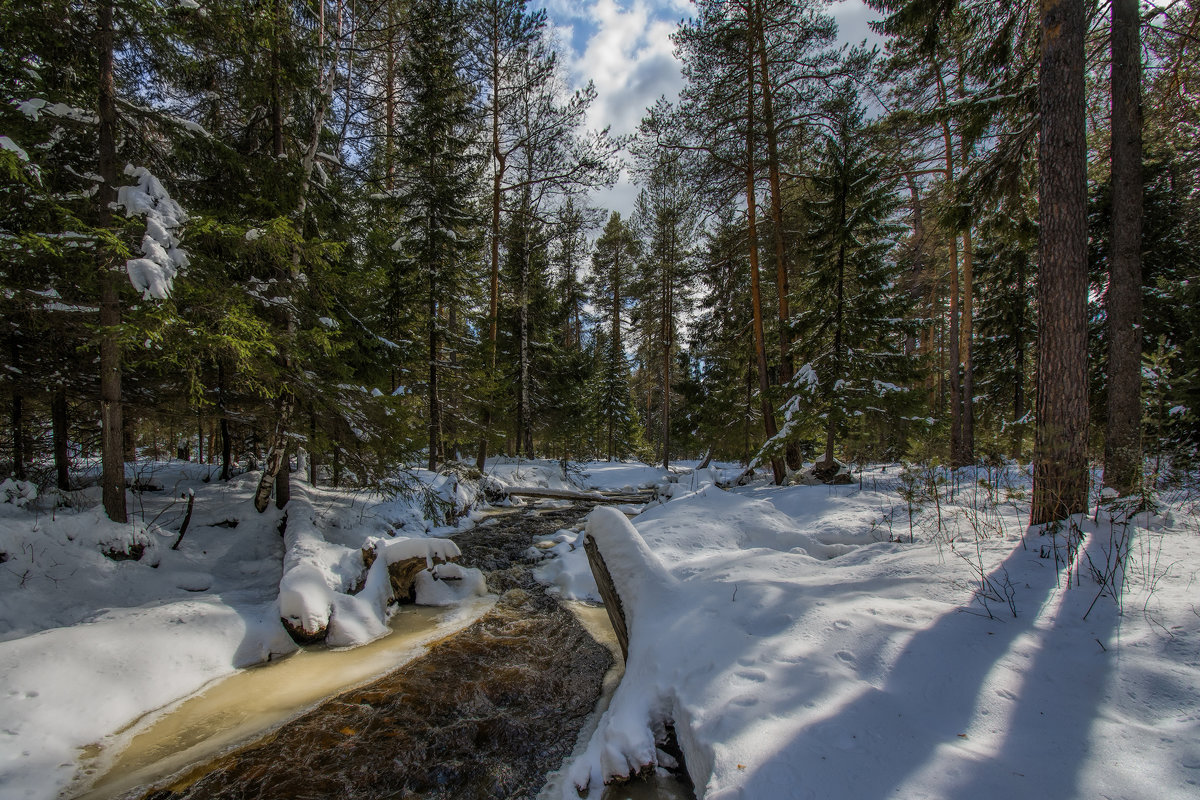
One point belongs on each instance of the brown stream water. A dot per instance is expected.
(487, 712)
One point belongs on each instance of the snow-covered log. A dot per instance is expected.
(623, 744)
(567, 494)
(608, 591)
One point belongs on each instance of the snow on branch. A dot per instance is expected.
(162, 260)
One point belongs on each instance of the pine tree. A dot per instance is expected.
(1123, 307)
(1060, 478)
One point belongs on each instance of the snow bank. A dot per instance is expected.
(88, 645)
(791, 644)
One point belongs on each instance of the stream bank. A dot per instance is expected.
(487, 712)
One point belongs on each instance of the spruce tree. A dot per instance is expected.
(437, 171)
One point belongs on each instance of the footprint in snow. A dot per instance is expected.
(756, 675)
(846, 656)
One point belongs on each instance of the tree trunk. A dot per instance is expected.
(760, 351)
(1123, 302)
(112, 431)
(226, 443)
(17, 416)
(314, 461)
(60, 425)
(499, 165)
(955, 355)
(1016, 444)
(283, 478)
(1060, 478)
(835, 405)
(787, 369)
(435, 407)
(275, 456)
(965, 348)
(666, 365)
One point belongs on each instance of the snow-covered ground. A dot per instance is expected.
(800, 643)
(88, 645)
(801, 651)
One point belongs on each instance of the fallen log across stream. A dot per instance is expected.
(542, 493)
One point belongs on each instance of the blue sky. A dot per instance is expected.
(624, 46)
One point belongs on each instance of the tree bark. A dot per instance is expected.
(226, 441)
(1123, 301)
(835, 405)
(965, 349)
(760, 351)
(1060, 478)
(787, 368)
(60, 425)
(1016, 442)
(17, 414)
(283, 477)
(499, 166)
(112, 430)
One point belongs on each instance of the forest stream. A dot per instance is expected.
(489, 710)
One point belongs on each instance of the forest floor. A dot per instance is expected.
(906, 635)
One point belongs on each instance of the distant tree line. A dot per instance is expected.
(233, 231)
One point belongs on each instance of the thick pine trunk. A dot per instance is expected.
(666, 367)
(283, 478)
(760, 350)
(112, 432)
(1123, 302)
(1060, 477)
(786, 366)
(835, 406)
(955, 355)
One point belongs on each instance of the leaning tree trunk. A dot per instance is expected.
(1060, 478)
(275, 456)
(1123, 303)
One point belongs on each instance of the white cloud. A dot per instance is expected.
(630, 58)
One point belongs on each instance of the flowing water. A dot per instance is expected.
(255, 700)
(485, 713)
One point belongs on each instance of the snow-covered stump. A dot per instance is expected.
(624, 743)
(341, 595)
(407, 558)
